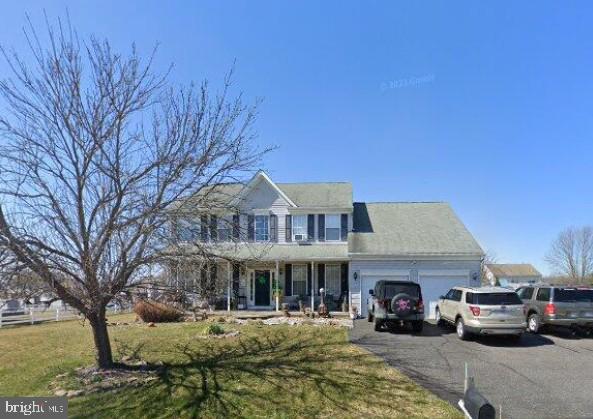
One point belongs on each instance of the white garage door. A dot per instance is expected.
(368, 283)
(435, 286)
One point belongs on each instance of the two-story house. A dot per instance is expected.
(291, 239)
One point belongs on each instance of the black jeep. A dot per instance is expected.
(396, 302)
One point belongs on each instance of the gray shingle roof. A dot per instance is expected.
(282, 252)
(308, 195)
(501, 270)
(409, 228)
(326, 194)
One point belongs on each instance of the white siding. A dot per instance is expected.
(264, 197)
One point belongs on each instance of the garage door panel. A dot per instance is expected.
(433, 286)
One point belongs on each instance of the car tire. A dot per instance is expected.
(439, 319)
(417, 326)
(378, 325)
(461, 330)
(533, 323)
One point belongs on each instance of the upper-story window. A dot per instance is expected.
(332, 227)
(299, 227)
(189, 230)
(262, 228)
(224, 228)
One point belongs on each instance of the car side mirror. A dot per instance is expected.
(371, 292)
(442, 297)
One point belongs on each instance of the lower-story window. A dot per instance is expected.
(332, 280)
(299, 279)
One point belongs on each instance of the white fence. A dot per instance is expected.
(38, 314)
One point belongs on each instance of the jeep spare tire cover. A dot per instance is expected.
(402, 304)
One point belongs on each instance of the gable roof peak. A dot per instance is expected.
(259, 176)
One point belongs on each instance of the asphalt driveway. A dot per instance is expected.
(543, 376)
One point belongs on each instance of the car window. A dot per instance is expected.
(469, 297)
(449, 295)
(543, 294)
(391, 290)
(496, 298)
(525, 293)
(456, 295)
(569, 295)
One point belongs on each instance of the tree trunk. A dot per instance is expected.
(101, 336)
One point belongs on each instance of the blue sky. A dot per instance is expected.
(485, 106)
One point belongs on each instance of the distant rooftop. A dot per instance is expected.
(501, 270)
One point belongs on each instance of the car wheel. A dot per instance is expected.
(438, 318)
(417, 326)
(378, 325)
(460, 328)
(533, 324)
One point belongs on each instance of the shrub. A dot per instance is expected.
(214, 329)
(153, 312)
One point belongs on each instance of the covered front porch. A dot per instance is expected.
(263, 277)
(268, 285)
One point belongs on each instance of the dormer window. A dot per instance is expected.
(299, 228)
(262, 228)
(332, 227)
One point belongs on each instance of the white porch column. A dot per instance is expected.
(230, 286)
(312, 287)
(277, 275)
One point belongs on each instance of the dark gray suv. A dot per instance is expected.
(396, 302)
(555, 305)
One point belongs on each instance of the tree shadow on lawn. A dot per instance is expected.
(275, 373)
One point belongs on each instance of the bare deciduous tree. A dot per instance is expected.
(489, 257)
(571, 254)
(96, 147)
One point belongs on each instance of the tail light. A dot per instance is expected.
(383, 303)
(475, 310)
(550, 309)
(420, 306)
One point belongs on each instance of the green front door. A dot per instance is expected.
(262, 288)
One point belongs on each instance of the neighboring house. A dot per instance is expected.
(511, 275)
(312, 235)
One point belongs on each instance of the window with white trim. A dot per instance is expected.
(189, 230)
(262, 228)
(299, 279)
(224, 228)
(299, 227)
(333, 280)
(333, 227)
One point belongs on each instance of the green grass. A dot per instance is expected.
(269, 371)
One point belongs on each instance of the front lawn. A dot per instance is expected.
(268, 371)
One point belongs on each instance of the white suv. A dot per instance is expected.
(482, 311)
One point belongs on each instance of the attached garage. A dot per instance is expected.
(423, 242)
